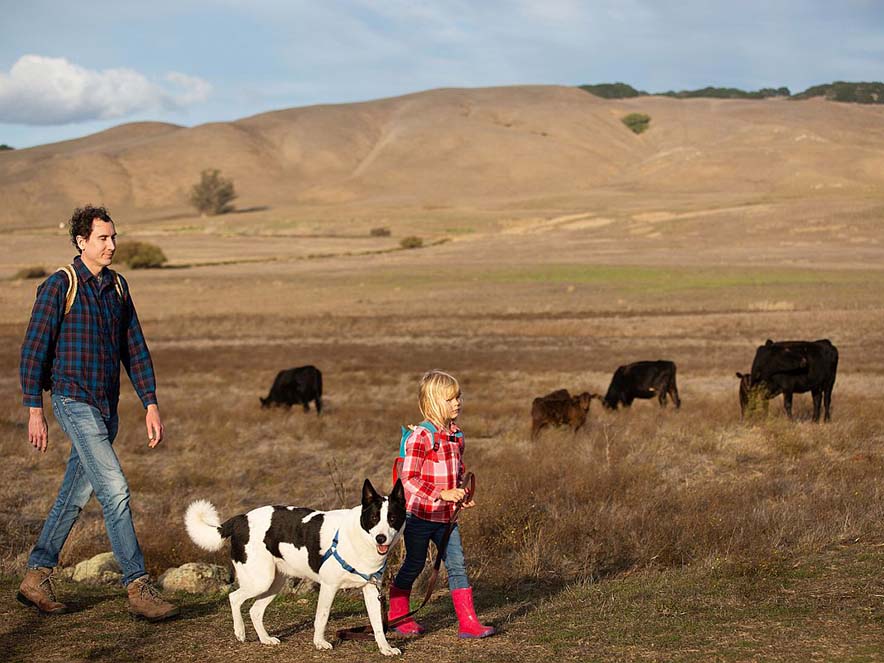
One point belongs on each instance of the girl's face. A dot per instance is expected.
(453, 405)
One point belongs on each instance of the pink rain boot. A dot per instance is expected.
(470, 627)
(399, 606)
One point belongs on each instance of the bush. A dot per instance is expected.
(380, 232)
(213, 193)
(35, 272)
(612, 90)
(638, 122)
(140, 255)
(411, 242)
(4, 147)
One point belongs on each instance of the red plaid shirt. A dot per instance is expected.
(433, 463)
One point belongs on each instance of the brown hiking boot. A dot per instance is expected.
(145, 601)
(37, 591)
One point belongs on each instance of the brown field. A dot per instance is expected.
(688, 536)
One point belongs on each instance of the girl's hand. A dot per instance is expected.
(452, 494)
(469, 505)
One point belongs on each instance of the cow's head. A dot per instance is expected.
(583, 400)
(753, 393)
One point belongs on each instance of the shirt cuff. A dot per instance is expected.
(29, 400)
(149, 399)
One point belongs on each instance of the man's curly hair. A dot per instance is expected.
(81, 222)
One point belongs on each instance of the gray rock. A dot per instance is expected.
(196, 578)
(100, 570)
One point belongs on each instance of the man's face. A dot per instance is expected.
(98, 249)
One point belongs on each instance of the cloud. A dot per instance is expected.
(42, 90)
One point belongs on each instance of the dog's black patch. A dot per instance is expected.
(371, 506)
(286, 527)
(237, 529)
(396, 506)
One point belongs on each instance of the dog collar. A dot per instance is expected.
(333, 552)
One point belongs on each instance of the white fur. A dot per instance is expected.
(263, 575)
(201, 521)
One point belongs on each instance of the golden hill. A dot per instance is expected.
(460, 147)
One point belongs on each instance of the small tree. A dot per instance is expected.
(213, 194)
(638, 122)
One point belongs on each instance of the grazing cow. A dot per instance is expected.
(296, 385)
(792, 367)
(642, 379)
(559, 408)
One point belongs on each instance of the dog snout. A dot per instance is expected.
(381, 539)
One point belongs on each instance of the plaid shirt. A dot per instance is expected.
(433, 463)
(78, 355)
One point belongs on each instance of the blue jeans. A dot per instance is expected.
(418, 534)
(92, 465)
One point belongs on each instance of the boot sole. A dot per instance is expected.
(169, 615)
(24, 600)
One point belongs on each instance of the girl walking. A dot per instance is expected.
(431, 473)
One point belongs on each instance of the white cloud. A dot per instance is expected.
(42, 90)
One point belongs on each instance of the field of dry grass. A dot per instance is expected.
(653, 535)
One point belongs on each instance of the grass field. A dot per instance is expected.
(653, 535)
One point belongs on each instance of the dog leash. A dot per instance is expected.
(364, 632)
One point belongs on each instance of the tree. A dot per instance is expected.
(213, 193)
(4, 146)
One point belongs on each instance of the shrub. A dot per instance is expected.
(411, 242)
(4, 147)
(612, 90)
(380, 232)
(213, 193)
(35, 272)
(140, 255)
(638, 122)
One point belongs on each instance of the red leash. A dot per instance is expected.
(364, 632)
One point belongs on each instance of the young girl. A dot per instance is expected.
(431, 473)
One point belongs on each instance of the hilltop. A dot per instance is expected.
(459, 148)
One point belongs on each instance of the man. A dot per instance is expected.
(76, 354)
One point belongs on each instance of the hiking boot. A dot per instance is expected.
(37, 591)
(145, 601)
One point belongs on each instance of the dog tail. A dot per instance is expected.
(203, 525)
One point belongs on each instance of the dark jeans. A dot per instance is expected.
(418, 534)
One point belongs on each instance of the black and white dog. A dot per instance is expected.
(346, 548)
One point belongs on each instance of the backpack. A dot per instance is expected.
(406, 432)
(73, 281)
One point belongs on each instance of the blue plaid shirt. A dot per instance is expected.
(78, 355)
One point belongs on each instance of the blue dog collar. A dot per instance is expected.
(333, 552)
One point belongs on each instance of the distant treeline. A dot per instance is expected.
(860, 93)
(4, 146)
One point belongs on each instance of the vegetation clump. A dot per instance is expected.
(4, 147)
(212, 194)
(411, 242)
(613, 90)
(380, 232)
(140, 255)
(34, 272)
(711, 92)
(637, 122)
(858, 93)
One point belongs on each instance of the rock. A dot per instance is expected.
(196, 578)
(101, 569)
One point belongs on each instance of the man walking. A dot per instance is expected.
(82, 327)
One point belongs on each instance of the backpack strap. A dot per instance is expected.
(118, 285)
(72, 287)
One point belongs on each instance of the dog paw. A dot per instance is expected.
(270, 640)
(240, 635)
(390, 651)
(322, 644)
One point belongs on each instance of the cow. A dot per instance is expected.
(559, 408)
(792, 367)
(642, 379)
(296, 385)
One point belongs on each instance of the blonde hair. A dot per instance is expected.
(436, 388)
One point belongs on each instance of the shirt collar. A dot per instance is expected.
(85, 274)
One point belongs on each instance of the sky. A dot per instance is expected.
(70, 69)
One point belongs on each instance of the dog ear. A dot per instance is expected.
(398, 492)
(369, 494)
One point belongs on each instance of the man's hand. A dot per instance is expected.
(155, 429)
(38, 431)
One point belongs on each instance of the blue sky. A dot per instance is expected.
(69, 69)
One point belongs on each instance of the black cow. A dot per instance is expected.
(792, 367)
(296, 385)
(560, 409)
(642, 379)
